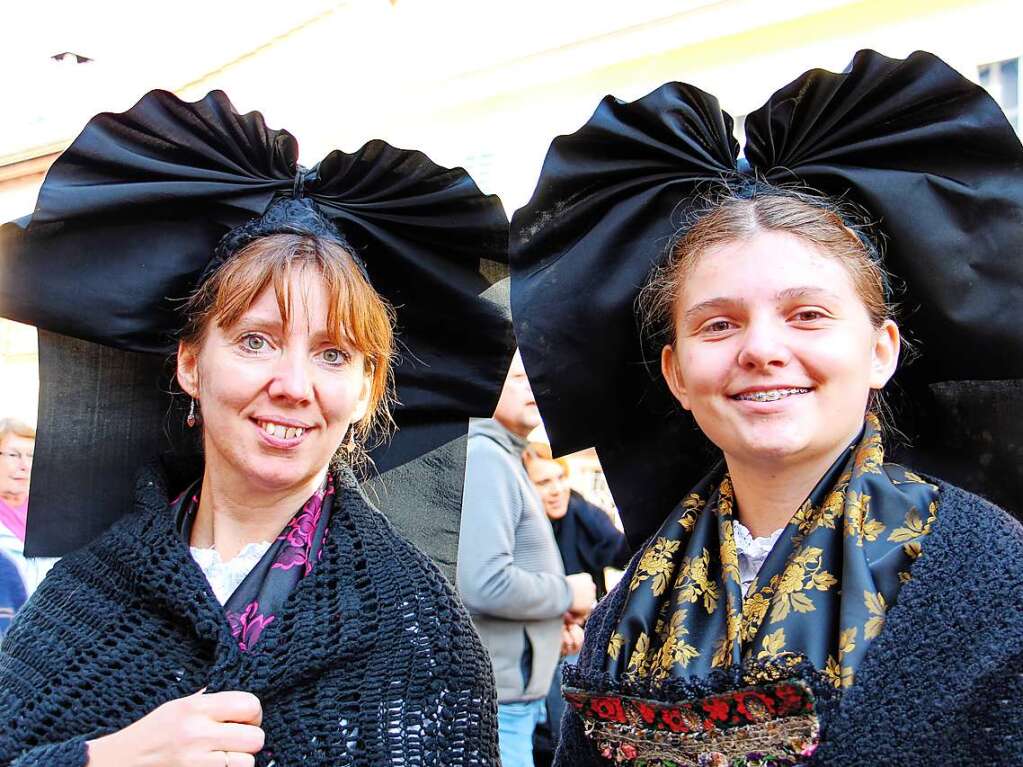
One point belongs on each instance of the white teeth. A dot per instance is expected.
(770, 395)
(282, 432)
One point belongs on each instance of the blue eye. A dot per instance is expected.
(254, 343)
(334, 357)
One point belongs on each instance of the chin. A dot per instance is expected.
(277, 477)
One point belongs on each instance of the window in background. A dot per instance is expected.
(1001, 79)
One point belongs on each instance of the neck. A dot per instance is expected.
(767, 496)
(518, 429)
(231, 517)
(14, 499)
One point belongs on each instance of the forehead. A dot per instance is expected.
(540, 469)
(14, 442)
(305, 299)
(762, 267)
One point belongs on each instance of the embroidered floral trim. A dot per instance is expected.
(770, 724)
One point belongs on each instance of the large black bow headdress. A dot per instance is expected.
(926, 152)
(130, 216)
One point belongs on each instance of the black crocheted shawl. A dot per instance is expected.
(373, 660)
(941, 686)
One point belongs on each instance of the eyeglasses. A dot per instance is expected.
(17, 456)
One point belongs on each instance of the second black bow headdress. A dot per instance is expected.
(926, 152)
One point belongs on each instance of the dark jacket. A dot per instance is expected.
(589, 541)
(941, 685)
(372, 661)
(12, 592)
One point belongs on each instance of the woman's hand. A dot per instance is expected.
(221, 729)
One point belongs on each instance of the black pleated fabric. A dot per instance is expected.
(927, 153)
(129, 217)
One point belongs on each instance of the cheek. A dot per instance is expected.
(229, 386)
(704, 367)
(340, 393)
(845, 362)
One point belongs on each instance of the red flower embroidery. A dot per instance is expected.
(646, 711)
(628, 750)
(790, 698)
(608, 708)
(675, 720)
(717, 708)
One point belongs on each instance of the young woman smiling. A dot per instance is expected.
(798, 599)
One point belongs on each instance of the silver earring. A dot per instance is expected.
(191, 420)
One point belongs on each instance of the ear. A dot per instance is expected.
(672, 375)
(885, 355)
(188, 369)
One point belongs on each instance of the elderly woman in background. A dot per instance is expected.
(17, 445)
(268, 613)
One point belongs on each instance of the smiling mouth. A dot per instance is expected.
(280, 431)
(769, 395)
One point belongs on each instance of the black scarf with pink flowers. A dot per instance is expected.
(260, 596)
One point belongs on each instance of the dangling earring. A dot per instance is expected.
(350, 445)
(191, 420)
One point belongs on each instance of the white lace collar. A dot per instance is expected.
(225, 577)
(752, 552)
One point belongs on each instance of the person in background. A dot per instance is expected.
(587, 538)
(588, 542)
(17, 445)
(509, 571)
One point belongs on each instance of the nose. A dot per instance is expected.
(764, 345)
(292, 378)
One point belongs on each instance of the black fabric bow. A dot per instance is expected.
(926, 152)
(129, 217)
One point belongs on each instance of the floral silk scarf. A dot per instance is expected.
(259, 597)
(819, 599)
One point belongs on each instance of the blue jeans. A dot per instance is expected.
(515, 724)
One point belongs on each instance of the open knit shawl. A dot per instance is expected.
(941, 685)
(372, 661)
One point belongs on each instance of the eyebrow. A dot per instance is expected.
(789, 294)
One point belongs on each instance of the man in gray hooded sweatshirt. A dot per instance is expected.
(510, 574)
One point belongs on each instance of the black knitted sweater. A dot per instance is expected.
(941, 685)
(372, 661)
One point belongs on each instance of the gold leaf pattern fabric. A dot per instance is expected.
(821, 595)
